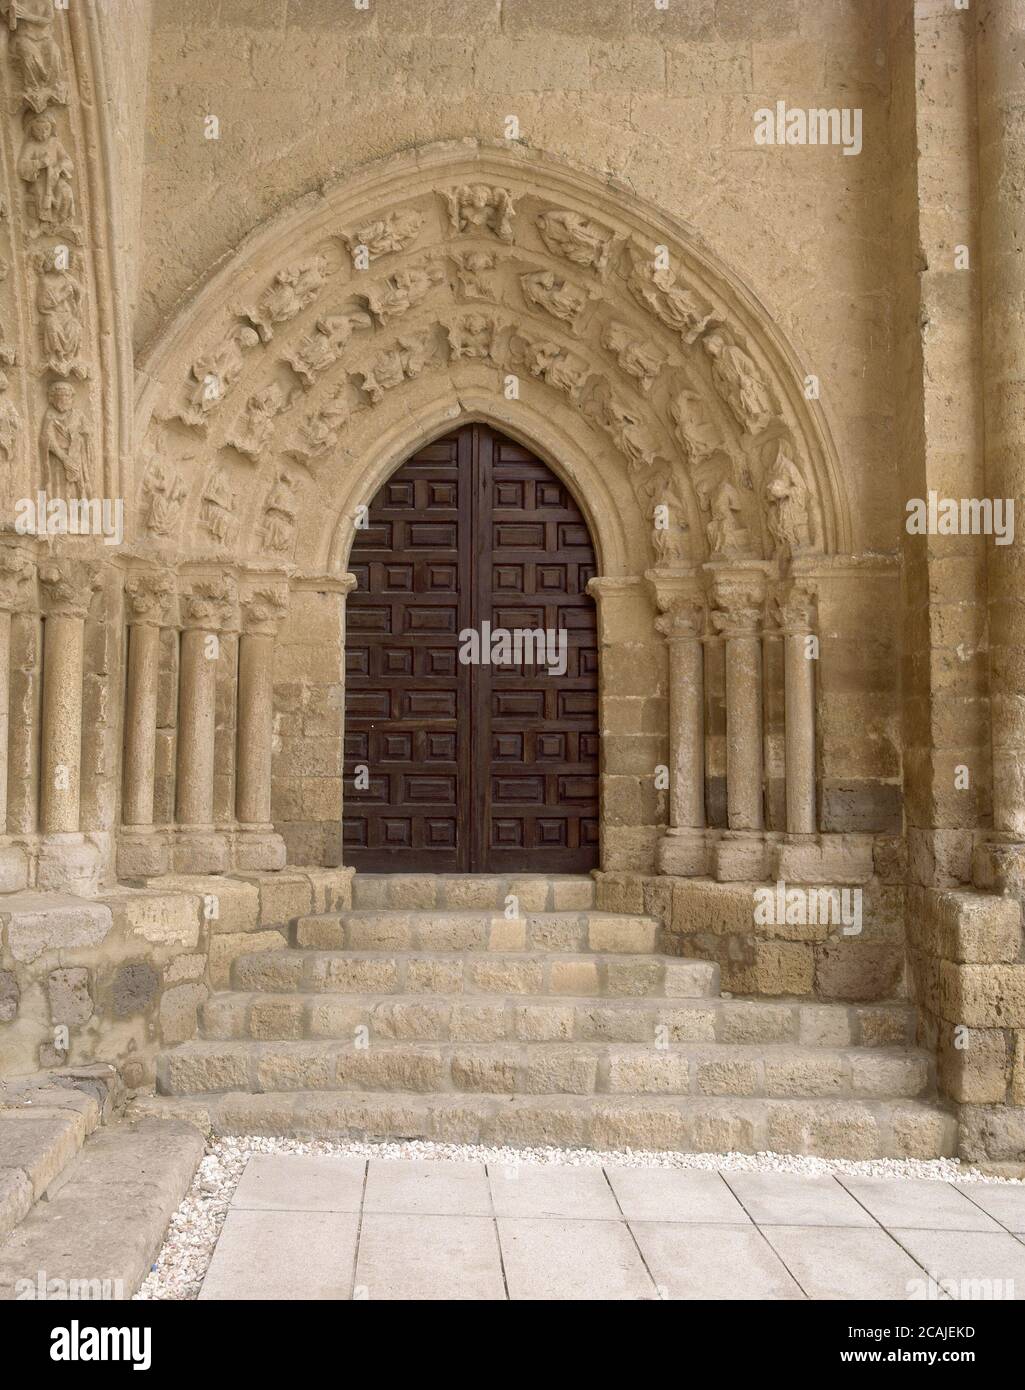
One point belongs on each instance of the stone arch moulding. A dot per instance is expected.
(468, 281)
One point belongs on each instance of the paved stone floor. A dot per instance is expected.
(339, 1228)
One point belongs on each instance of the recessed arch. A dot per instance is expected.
(642, 367)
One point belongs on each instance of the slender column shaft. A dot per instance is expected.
(744, 732)
(686, 733)
(255, 728)
(61, 753)
(141, 723)
(196, 726)
(799, 681)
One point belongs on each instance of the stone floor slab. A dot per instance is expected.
(932, 1206)
(1005, 1203)
(544, 1190)
(688, 1260)
(556, 1260)
(283, 1255)
(784, 1199)
(969, 1265)
(832, 1262)
(425, 1187)
(668, 1194)
(301, 1182)
(423, 1257)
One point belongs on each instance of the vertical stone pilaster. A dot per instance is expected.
(1001, 94)
(209, 608)
(143, 850)
(738, 601)
(683, 848)
(264, 605)
(66, 861)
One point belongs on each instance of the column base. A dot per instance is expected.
(998, 866)
(143, 852)
(257, 847)
(683, 851)
(823, 859)
(13, 869)
(200, 850)
(68, 863)
(740, 856)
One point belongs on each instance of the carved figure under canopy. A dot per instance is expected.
(66, 445)
(45, 165)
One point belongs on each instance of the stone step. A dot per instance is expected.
(577, 1068)
(594, 975)
(534, 892)
(855, 1129)
(476, 929)
(42, 1129)
(486, 1018)
(98, 1235)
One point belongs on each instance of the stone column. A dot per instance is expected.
(16, 571)
(683, 849)
(795, 611)
(209, 608)
(1001, 96)
(143, 850)
(66, 861)
(738, 599)
(264, 605)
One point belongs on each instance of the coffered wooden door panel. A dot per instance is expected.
(471, 767)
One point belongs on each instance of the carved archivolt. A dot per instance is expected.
(490, 277)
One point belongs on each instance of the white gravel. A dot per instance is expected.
(183, 1259)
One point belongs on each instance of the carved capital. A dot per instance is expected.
(210, 603)
(682, 618)
(793, 608)
(16, 572)
(738, 602)
(148, 596)
(67, 586)
(263, 608)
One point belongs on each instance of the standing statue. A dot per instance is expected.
(739, 383)
(786, 494)
(45, 165)
(65, 444)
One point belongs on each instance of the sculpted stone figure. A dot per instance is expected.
(45, 165)
(557, 297)
(472, 273)
(317, 350)
(392, 233)
(290, 292)
(213, 375)
(474, 337)
(36, 51)
(217, 508)
(164, 491)
(696, 429)
(10, 422)
(739, 383)
(727, 534)
(66, 445)
(319, 431)
(631, 434)
(637, 359)
(280, 514)
(399, 293)
(475, 207)
(572, 236)
(551, 363)
(255, 427)
(59, 299)
(669, 530)
(675, 305)
(401, 363)
(786, 494)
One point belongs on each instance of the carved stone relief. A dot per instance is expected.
(395, 232)
(476, 207)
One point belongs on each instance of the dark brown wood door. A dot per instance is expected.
(471, 766)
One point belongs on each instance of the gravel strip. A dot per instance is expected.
(182, 1263)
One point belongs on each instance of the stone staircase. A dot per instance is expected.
(426, 1011)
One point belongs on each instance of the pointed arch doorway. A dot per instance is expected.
(455, 765)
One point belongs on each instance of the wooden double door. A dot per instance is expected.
(463, 765)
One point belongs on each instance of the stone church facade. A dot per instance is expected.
(380, 322)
